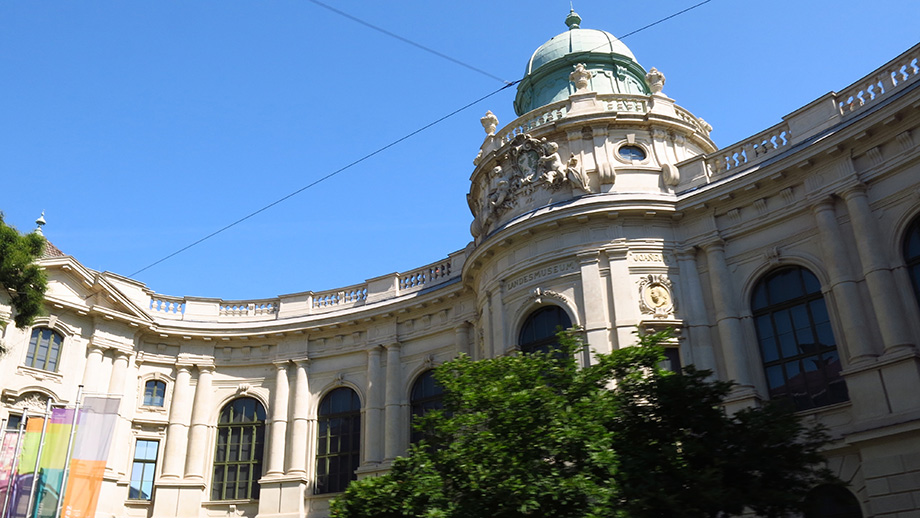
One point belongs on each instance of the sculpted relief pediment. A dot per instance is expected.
(529, 174)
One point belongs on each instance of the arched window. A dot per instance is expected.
(338, 448)
(796, 342)
(154, 393)
(426, 396)
(829, 501)
(539, 330)
(238, 459)
(44, 349)
(912, 255)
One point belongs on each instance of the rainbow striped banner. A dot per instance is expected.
(7, 463)
(95, 427)
(21, 483)
(52, 463)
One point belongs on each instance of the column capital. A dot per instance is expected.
(184, 367)
(686, 253)
(853, 190)
(281, 365)
(205, 368)
(392, 345)
(591, 257)
(823, 203)
(714, 245)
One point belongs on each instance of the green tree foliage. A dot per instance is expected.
(23, 280)
(535, 435)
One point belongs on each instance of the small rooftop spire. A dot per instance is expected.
(572, 20)
(40, 222)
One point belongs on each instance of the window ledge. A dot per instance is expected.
(218, 503)
(39, 374)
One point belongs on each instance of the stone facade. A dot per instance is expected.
(615, 207)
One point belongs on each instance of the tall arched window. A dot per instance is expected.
(44, 349)
(426, 396)
(912, 255)
(827, 501)
(238, 458)
(539, 330)
(796, 342)
(338, 448)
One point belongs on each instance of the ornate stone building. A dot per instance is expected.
(788, 262)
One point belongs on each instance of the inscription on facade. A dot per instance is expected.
(542, 273)
(648, 258)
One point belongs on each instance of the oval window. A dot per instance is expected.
(632, 153)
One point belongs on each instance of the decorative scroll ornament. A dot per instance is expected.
(655, 296)
(655, 80)
(538, 294)
(772, 255)
(31, 401)
(244, 388)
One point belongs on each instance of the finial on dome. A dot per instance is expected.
(40, 222)
(573, 20)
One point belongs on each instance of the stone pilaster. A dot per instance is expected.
(92, 372)
(373, 413)
(594, 303)
(886, 302)
(198, 432)
(462, 339)
(279, 420)
(728, 319)
(299, 429)
(177, 431)
(117, 463)
(700, 352)
(394, 438)
(858, 345)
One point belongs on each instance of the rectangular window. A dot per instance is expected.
(13, 421)
(143, 469)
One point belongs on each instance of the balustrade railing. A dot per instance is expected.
(341, 297)
(749, 151)
(247, 308)
(550, 113)
(431, 274)
(168, 306)
(896, 73)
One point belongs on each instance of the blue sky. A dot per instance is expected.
(140, 127)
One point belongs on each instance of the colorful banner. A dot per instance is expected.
(21, 484)
(52, 463)
(95, 427)
(7, 462)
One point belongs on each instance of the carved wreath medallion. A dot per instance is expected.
(655, 296)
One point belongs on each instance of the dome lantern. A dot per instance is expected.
(612, 66)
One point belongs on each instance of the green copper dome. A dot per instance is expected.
(612, 65)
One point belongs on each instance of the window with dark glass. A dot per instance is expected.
(912, 255)
(632, 153)
(12, 422)
(44, 349)
(238, 457)
(796, 341)
(426, 396)
(539, 330)
(338, 449)
(143, 469)
(827, 501)
(154, 393)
